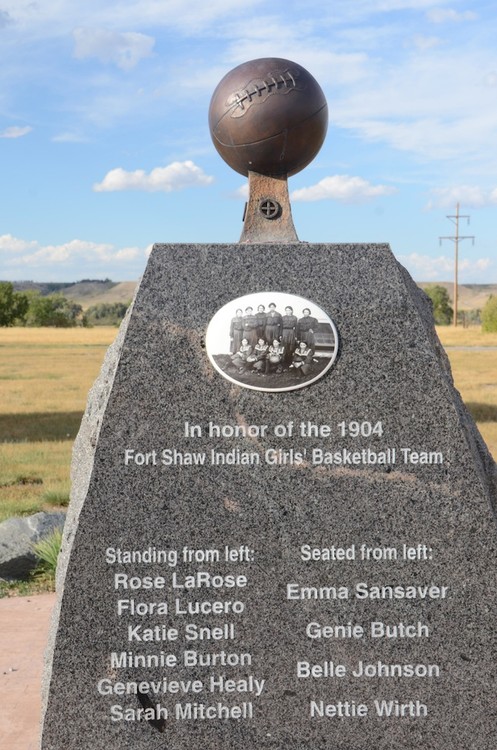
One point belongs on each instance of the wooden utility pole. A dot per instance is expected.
(455, 239)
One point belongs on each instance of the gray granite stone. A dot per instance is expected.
(17, 537)
(308, 655)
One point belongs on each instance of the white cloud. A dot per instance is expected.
(469, 195)
(358, 9)
(480, 264)
(425, 42)
(16, 131)
(434, 138)
(442, 15)
(124, 49)
(11, 244)
(34, 254)
(69, 137)
(57, 17)
(388, 6)
(490, 79)
(175, 176)
(433, 104)
(276, 39)
(428, 268)
(425, 267)
(242, 192)
(344, 188)
(191, 17)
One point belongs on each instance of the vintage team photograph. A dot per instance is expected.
(272, 341)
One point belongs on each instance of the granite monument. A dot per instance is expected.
(282, 528)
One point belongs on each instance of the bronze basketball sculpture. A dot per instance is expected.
(268, 116)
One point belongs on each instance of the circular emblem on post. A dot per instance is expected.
(272, 341)
(269, 208)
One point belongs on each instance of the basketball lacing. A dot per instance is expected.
(259, 90)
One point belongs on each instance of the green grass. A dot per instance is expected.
(59, 499)
(47, 552)
(33, 476)
(26, 588)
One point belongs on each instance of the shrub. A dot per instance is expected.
(489, 315)
(13, 305)
(55, 311)
(105, 314)
(47, 553)
(442, 311)
(54, 497)
(469, 317)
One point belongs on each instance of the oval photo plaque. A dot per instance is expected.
(271, 341)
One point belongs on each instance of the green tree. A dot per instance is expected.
(13, 305)
(469, 317)
(54, 310)
(489, 315)
(105, 314)
(442, 310)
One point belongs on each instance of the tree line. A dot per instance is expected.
(30, 308)
(443, 312)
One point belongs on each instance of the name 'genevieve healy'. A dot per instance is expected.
(281, 457)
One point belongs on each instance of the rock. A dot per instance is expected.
(300, 569)
(17, 536)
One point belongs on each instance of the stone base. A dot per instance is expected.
(344, 600)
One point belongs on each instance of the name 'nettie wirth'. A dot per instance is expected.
(390, 708)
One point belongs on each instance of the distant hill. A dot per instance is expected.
(470, 296)
(86, 293)
(90, 292)
(44, 287)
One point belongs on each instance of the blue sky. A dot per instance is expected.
(105, 148)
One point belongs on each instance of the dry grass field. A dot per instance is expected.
(473, 358)
(45, 375)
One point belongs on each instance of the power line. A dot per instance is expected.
(456, 239)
